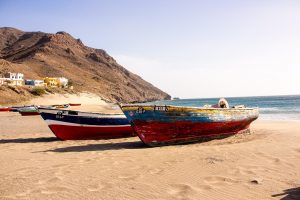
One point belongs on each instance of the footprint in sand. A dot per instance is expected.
(170, 162)
(155, 171)
(54, 189)
(204, 187)
(23, 170)
(128, 177)
(59, 165)
(61, 170)
(182, 191)
(41, 182)
(96, 187)
(242, 171)
(219, 180)
(54, 179)
(274, 160)
(23, 194)
(49, 186)
(84, 161)
(47, 192)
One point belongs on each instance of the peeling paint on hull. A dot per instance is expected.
(160, 125)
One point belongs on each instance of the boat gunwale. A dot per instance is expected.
(186, 107)
(94, 113)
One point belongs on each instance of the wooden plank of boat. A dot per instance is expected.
(161, 125)
(28, 111)
(61, 106)
(74, 125)
(75, 104)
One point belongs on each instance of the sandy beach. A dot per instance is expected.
(89, 102)
(35, 165)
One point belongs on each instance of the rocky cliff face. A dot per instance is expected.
(38, 54)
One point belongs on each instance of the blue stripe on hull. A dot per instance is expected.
(85, 120)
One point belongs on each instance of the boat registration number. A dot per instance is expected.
(59, 115)
(140, 110)
(161, 108)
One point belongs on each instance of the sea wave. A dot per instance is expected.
(279, 116)
(282, 110)
(270, 109)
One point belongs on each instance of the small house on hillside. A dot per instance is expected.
(51, 82)
(63, 82)
(35, 82)
(14, 78)
(56, 81)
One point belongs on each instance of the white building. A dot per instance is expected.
(14, 78)
(63, 81)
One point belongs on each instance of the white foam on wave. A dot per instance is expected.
(269, 109)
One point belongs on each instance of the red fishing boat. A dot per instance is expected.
(75, 125)
(5, 109)
(160, 125)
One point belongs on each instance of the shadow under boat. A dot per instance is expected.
(28, 140)
(289, 194)
(123, 145)
(100, 147)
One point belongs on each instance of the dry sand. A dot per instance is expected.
(264, 164)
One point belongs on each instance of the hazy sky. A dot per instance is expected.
(187, 48)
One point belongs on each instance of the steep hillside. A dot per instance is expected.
(41, 54)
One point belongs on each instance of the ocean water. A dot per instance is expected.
(270, 107)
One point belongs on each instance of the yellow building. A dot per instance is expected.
(15, 82)
(52, 82)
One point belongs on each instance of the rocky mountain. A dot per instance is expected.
(38, 54)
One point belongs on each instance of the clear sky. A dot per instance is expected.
(190, 49)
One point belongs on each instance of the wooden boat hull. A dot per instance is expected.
(5, 109)
(74, 125)
(29, 113)
(75, 104)
(160, 125)
(61, 106)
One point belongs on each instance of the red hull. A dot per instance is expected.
(159, 133)
(29, 113)
(5, 109)
(75, 104)
(66, 132)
